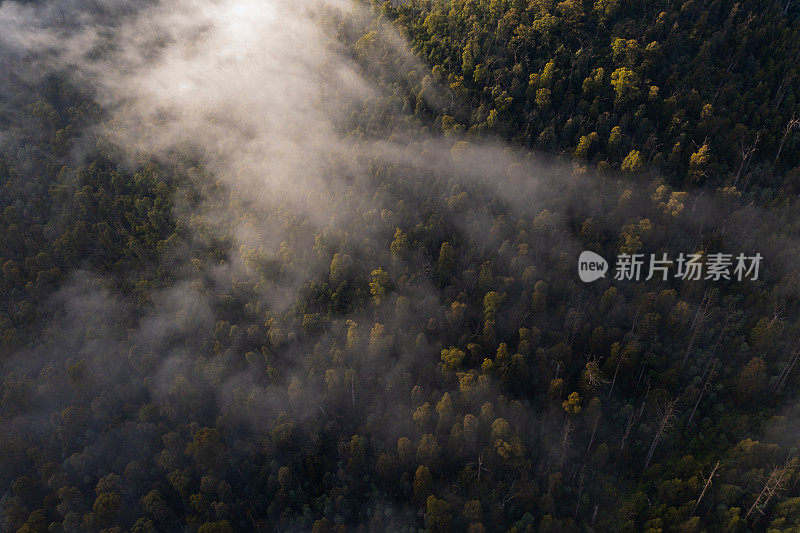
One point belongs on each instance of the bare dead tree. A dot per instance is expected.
(644, 400)
(593, 376)
(705, 486)
(790, 74)
(666, 420)
(728, 316)
(787, 370)
(747, 154)
(632, 419)
(645, 360)
(594, 430)
(616, 371)
(708, 371)
(574, 325)
(792, 124)
(773, 485)
(479, 466)
(700, 317)
(513, 492)
(777, 313)
(708, 375)
(580, 491)
(633, 329)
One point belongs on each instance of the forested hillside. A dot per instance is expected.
(296, 266)
(705, 92)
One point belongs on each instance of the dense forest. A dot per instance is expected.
(312, 266)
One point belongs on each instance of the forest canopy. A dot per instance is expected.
(312, 266)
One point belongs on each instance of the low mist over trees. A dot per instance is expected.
(302, 267)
